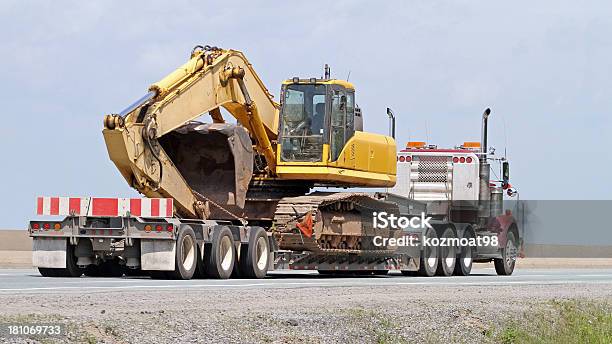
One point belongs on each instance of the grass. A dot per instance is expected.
(382, 329)
(563, 322)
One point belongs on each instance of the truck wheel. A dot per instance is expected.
(186, 255)
(254, 256)
(504, 266)
(448, 254)
(220, 258)
(429, 256)
(463, 266)
(71, 269)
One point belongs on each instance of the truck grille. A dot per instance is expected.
(432, 169)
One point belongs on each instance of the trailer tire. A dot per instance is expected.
(185, 261)
(429, 259)
(448, 254)
(71, 269)
(465, 259)
(200, 271)
(254, 256)
(219, 260)
(504, 266)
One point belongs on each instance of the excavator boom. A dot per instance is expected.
(160, 153)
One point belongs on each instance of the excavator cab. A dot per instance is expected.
(316, 115)
(321, 137)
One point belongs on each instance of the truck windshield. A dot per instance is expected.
(303, 118)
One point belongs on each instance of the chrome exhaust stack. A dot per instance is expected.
(484, 193)
(391, 122)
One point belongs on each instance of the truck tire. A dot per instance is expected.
(463, 266)
(504, 266)
(220, 255)
(254, 256)
(429, 257)
(186, 255)
(200, 267)
(448, 254)
(71, 269)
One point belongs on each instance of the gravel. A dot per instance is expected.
(393, 314)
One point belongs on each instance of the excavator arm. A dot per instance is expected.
(140, 138)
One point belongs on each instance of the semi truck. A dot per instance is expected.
(224, 199)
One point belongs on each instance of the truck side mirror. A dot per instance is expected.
(505, 173)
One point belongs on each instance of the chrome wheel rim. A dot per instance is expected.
(467, 258)
(510, 252)
(262, 253)
(188, 257)
(226, 253)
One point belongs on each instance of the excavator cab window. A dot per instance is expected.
(342, 120)
(303, 122)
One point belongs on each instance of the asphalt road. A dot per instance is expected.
(17, 281)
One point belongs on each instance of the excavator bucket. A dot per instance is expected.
(216, 160)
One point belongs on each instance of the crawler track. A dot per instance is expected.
(341, 223)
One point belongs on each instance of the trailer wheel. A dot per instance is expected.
(71, 269)
(186, 255)
(220, 258)
(463, 266)
(254, 256)
(504, 266)
(429, 256)
(448, 254)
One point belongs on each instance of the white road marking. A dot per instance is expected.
(316, 284)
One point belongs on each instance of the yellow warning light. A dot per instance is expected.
(57, 226)
(471, 144)
(415, 144)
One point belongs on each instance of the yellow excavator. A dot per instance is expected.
(259, 170)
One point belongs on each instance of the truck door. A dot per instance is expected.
(342, 120)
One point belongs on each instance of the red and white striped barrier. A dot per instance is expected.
(96, 206)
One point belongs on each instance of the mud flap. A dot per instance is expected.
(49, 253)
(157, 254)
(215, 159)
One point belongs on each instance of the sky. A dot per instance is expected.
(544, 68)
